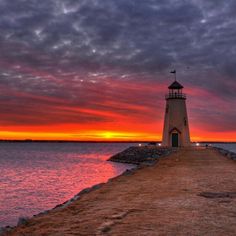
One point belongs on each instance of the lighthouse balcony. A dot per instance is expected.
(175, 96)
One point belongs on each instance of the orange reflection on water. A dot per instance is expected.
(38, 176)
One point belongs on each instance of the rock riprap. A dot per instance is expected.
(141, 155)
(227, 153)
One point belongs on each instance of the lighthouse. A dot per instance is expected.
(176, 127)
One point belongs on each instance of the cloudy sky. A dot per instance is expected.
(99, 69)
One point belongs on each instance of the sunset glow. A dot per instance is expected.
(66, 75)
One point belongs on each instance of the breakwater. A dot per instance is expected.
(227, 153)
(191, 183)
(141, 155)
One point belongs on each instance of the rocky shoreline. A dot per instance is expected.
(227, 153)
(25, 220)
(146, 155)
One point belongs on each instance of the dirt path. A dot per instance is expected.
(164, 199)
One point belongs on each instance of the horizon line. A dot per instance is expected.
(103, 141)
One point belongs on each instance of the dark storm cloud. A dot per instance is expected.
(143, 35)
(71, 50)
(130, 35)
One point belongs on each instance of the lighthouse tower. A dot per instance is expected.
(176, 128)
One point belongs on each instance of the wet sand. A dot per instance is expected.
(190, 192)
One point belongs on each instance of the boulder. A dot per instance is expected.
(138, 155)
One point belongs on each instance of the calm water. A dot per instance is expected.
(37, 176)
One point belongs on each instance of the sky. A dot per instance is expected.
(99, 69)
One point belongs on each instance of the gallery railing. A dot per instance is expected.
(175, 95)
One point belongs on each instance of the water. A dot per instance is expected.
(37, 176)
(227, 146)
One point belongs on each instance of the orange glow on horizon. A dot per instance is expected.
(100, 135)
(83, 136)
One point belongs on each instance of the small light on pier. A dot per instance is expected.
(140, 145)
(159, 144)
(197, 144)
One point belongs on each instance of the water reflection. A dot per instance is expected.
(38, 176)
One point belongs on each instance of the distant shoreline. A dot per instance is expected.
(104, 141)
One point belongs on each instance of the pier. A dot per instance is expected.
(189, 192)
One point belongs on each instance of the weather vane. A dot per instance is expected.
(173, 72)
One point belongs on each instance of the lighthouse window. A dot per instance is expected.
(185, 121)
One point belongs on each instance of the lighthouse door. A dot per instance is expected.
(175, 140)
